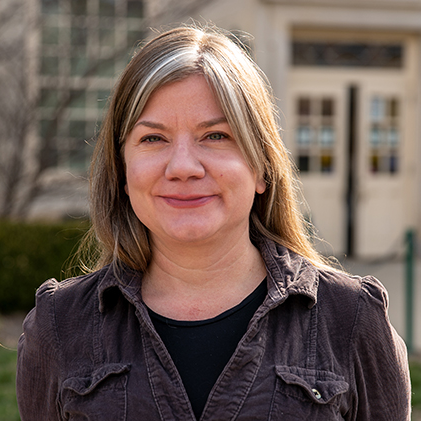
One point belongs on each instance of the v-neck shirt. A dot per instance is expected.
(201, 349)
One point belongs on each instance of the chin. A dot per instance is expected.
(191, 237)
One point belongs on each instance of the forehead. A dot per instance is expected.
(191, 95)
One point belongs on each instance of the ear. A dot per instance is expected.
(260, 185)
(126, 189)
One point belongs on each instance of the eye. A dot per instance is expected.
(217, 136)
(151, 139)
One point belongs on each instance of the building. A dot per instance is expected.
(83, 45)
(346, 74)
(347, 77)
(61, 61)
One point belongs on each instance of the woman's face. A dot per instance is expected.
(187, 180)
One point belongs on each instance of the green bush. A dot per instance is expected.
(415, 367)
(30, 253)
(8, 404)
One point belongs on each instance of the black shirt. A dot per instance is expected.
(201, 349)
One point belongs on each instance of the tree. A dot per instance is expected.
(25, 155)
(16, 105)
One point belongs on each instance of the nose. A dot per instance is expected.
(184, 161)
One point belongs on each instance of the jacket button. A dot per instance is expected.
(316, 393)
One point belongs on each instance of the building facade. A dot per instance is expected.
(84, 44)
(74, 51)
(346, 74)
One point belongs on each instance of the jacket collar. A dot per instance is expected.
(128, 281)
(288, 274)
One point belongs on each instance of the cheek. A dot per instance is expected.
(142, 176)
(239, 173)
(130, 176)
(241, 182)
(135, 177)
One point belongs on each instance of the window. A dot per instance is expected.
(77, 129)
(78, 156)
(135, 9)
(78, 65)
(78, 36)
(50, 6)
(77, 153)
(47, 128)
(134, 37)
(77, 98)
(106, 37)
(49, 98)
(326, 137)
(71, 149)
(315, 134)
(78, 7)
(106, 68)
(107, 7)
(79, 41)
(347, 54)
(384, 135)
(50, 35)
(304, 136)
(102, 99)
(49, 66)
(304, 106)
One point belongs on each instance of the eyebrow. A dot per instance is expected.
(150, 124)
(204, 124)
(214, 122)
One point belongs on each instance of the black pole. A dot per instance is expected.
(350, 180)
(409, 287)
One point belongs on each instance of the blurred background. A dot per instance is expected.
(346, 75)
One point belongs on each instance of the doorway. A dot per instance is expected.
(348, 134)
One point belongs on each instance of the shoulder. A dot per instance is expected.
(327, 287)
(71, 290)
(298, 274)
(67, 304)
(347, 298)
(354, 317)
(341, 287)
(344, 283)
(356, 308)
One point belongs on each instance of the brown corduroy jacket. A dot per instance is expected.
(319, 348)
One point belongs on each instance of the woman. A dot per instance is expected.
(209, 301)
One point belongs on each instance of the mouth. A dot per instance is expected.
(188, 201)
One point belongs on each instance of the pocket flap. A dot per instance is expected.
(321, 386)
(84, 385)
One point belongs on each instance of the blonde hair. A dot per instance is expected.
(248, 104)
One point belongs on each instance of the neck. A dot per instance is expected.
(192, 282)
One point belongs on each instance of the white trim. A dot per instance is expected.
(364, 4)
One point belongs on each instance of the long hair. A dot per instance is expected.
(247, 101)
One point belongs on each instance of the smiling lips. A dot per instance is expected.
(176, 201)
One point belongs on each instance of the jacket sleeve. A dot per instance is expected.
(379, 360)
(38, 360)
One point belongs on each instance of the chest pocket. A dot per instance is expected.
(98, 396)
(305, 394)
